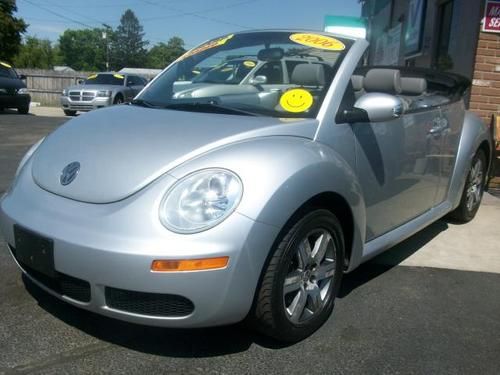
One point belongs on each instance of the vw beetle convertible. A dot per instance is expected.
(202, 205)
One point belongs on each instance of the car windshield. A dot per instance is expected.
(105, 79)
(270, 73)
(7, 71)
(231, 72)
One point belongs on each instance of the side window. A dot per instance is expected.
(273, 72)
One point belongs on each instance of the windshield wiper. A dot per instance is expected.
(144, 103)
(210, 107)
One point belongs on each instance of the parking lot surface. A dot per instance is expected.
(430, 305)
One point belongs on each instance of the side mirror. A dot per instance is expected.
(258, 80)
(80, 81)
(22, 77)
(375, 107)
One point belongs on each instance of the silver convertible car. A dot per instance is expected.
(235, 202)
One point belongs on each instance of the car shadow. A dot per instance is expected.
(210, 342)
(390, 258)
(168, 342)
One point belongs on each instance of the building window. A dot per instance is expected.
(442, 59)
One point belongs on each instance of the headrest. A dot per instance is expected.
(413, 86)
(308, 75)
(383, 80)
(357, 82)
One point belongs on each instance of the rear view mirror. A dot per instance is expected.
(271, 54)
(375, 107)
(258, 80)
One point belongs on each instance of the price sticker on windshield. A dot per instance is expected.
(5, 64)
(318, 41)
(119, 76)
(92, 76)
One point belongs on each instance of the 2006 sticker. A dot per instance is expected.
(249, 63)
(296, 100)
(318, 41)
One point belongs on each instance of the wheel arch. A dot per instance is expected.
(475, 135)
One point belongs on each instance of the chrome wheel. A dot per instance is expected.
(475, 185)
(309, 281)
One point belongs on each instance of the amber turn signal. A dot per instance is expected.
(189, 264)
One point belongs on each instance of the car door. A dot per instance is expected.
(398, 167)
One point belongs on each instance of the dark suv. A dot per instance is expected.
(13, 91)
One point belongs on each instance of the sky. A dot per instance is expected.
(193, 20)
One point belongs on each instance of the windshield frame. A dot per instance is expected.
(336, 62)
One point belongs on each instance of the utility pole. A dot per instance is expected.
(106, 38)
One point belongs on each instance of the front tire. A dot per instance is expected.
(69, 112)
(302, 278)
(24, 110)
(118, 100)
(473, 190)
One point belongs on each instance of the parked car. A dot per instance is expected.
(13, 91)
(101, 90)
(249, 202)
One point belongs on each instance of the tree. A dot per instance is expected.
(36, 53)
(11, 29)
(128, 44)
(163, 54)
(83, 49)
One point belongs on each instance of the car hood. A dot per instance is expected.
(122, 149)
(11, 83)
(93, 87)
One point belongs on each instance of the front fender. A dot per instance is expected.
(474, 133)
(280, 174)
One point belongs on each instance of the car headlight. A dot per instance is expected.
(22, 90)
(23, 162)
(64, 92)
(104, 93)
(201, 200)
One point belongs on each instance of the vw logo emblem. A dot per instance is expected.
(69, 173)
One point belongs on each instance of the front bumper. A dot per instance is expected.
(112, 246)
(15, 101)
(84, 106)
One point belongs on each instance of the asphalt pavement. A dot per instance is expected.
(430, 305)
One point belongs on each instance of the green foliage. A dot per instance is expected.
(36, 53)
(11, 29)
(128, 44)
(163, 54)
(84, 49)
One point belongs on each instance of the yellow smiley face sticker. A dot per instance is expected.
(296, 100)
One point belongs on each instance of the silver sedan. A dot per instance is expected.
(239, 201)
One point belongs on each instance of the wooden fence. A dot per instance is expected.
(45, 86)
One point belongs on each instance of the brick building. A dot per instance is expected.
(441, 34)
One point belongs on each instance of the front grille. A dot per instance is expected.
(62, 284)
(154, 304)
(82, 96)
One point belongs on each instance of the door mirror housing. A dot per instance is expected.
(258, 80)
(375, 107)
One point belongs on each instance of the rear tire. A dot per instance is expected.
(473, 190)
(23, 110)
(69, 113)
(302, 278)
(118, 99)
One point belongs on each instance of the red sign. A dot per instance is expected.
(491, 21)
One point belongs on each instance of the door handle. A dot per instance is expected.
(439, 125)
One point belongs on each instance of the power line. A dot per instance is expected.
(58, 14)
(212, 9)
(195, 14)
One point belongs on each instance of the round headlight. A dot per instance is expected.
(201, 200)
